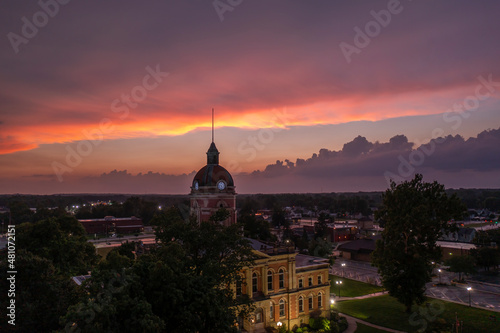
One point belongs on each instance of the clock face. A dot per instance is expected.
(221, 185)
(196, 185)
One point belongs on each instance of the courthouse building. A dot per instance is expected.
(286, 287)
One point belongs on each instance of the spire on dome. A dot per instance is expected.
(212, 153)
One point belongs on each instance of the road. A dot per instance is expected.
(115, 241)
(482, 294)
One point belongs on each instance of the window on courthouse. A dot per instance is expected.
(255, 280)
(301, 304)
(310, 281)
(301, 283)
(281, 278)
(269, 280)
(271, 310)
(282, 308)
(320, 300)
(320, 279)
(310, 302)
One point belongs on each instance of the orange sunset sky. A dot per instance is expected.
(116, 96)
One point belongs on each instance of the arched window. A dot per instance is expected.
(301, 304)
(271, 310)
(269, 280)
(310, 302)
(320, 300)
(282, 307)
(255, 280)
(258, 316)
(281, 278)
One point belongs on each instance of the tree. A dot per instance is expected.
(321, 227)
(114, 302)
(20, 212)
(461, 264)
(279, 218)
(42, 296)
(61, 240)
(486, 257)
(415, 214)
(256, 228)
(188, 279)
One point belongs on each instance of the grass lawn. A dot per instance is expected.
(352, 288)
(388, 312)
(103, 251)
(367, 329)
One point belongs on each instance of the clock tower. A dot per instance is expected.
(213, 188)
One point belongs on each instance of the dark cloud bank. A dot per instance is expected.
(360, 166)
(363, 165)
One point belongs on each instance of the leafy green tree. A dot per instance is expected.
(486, 257)
(320, 247)
(321, 227)
(42, 296)
(461, 264)
(278, 217)
(114, 302)
(61, 240)
(415, 213)
(20, 212)
(188, 280)
(256, 228)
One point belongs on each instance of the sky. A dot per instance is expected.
(116, 96)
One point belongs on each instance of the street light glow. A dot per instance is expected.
(279, 324)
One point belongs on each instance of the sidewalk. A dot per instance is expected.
(380, 293)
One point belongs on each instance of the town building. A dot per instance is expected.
(111, 224)
(360, 249)
(213, 188)
(286, 287)
(338, 232)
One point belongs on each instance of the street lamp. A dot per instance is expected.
(279, 324)
(343, 265)
(339, 283)
(439, 272)
(469, 289)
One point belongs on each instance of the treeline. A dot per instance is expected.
(145, 206)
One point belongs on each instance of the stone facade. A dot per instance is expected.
(286, 287)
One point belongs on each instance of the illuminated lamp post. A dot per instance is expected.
(339, 283)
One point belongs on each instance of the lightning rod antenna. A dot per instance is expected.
(212, 124)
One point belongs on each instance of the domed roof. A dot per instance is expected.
(212, 173)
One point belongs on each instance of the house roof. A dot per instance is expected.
(366, 245)
(302, 261)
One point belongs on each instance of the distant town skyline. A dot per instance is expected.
(116, 97)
